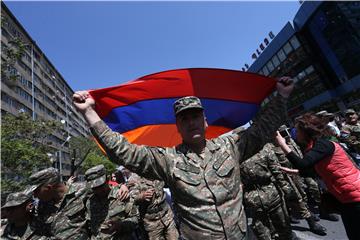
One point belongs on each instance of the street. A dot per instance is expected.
(335, 231)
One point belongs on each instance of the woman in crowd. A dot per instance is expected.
(338, 171)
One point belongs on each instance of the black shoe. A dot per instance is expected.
(330, 217)
(316, 227)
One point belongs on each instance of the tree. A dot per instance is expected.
(24, 148)
(86, 153)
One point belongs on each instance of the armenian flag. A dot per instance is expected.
(142, 109)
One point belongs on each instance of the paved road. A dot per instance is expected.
(335, 231)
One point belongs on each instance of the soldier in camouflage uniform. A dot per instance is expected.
(263, 186)
(60, 212)
(156, 214)
(202, 175)
(351, 134)
(18, 209)
(108, 217)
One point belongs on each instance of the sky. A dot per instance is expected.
(102, 44)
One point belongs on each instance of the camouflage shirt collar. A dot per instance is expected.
(184, 148)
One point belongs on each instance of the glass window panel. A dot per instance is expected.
(265, 71)
(275, 61)
(287, 48)
(294, 42)
(281, 55)
(270, 66)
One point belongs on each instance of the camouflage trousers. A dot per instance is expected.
(297, 207)
(313, 189)
(163, 228)
(277, 219)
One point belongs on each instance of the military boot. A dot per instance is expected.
(316, 218)
(328, 216)
(316, 227)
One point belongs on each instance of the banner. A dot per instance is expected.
(142, 110)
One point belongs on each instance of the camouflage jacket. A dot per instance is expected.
(206, 191)
(351, 136)
(282, 157)
(8, 232)
(263, 180)
(102, 210)
(65, 220)
(157, 207)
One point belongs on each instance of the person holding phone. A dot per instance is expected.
(331, 162)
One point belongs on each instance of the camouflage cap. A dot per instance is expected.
(185, 103)
(16, 199)
(46, 176)
(349, 111)
(95, 176)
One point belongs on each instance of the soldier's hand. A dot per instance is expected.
(123, 192)
(148, 194)
(70, 180)
(83, 101)
(285, 86)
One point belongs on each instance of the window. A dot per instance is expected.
(275, 61)
(294, 42)
(7, 99)
(287, 48)
(27, 57)
(270, 66)
(281, 55)
(26, 68)
(265, 71)
(23, 81)
(24, 94)
(37, 79)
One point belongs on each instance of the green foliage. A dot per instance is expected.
(87, 153)
(94, 159)
(24, 148)
(10, 55)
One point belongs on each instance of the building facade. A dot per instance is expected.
(39, 90)
(320, 49)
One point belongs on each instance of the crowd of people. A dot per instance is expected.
(270, 173)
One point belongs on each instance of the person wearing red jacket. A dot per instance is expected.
(335, 167)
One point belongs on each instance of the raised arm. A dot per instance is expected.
(146, 161)
(268, 120)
